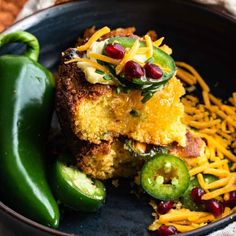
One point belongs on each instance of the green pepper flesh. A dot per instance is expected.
(74, 189)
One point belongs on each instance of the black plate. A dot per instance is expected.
(199, 36)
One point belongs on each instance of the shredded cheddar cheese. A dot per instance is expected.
(181, 215)
(158, 42)
(92, 63)
(198, 78)
(218, 183)
(166, 49)
(185, 77)
(218, 192)
(142, 50)
(149, 46)
(103, 58)
(201, 181)
(216, 172)
(215, 100)
(94, 38)
(206, 99)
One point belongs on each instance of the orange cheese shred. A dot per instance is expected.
(149, 45)
(103, 58)
(92, 63)
(158, 42)
(94, 38)
(128, 56)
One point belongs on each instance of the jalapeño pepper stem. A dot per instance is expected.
(32, 44)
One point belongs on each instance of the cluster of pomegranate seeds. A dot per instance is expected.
(115, 51)
(232, 200)
(164, 207)
(165, 230)
(215, 207)
(153, 71)
(196, 194)
(133, 70)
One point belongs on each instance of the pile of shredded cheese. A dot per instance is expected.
(215, 122)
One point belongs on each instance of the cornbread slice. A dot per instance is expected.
(98, 113)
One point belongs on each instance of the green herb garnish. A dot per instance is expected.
(100, 72)
(150, 60)
(146, 97)
(134, 113)
(118, 89)
(107, 77)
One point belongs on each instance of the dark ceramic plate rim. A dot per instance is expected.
(31, 20)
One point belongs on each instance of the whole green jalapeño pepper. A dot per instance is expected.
(26, 104)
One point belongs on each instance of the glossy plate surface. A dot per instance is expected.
(198, 36)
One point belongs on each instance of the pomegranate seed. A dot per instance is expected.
(196, 194)
(115, 51)
(165, 230)
(232, 200)
(153, 71)
(164, 207)
(133, 70)
(215, 207)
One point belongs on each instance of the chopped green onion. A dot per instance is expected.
(107, 77)
(118, 90)
(137, 81)
(100, 72)
(150, 60)
(146, 97)
(134, 113)
(101, 62)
